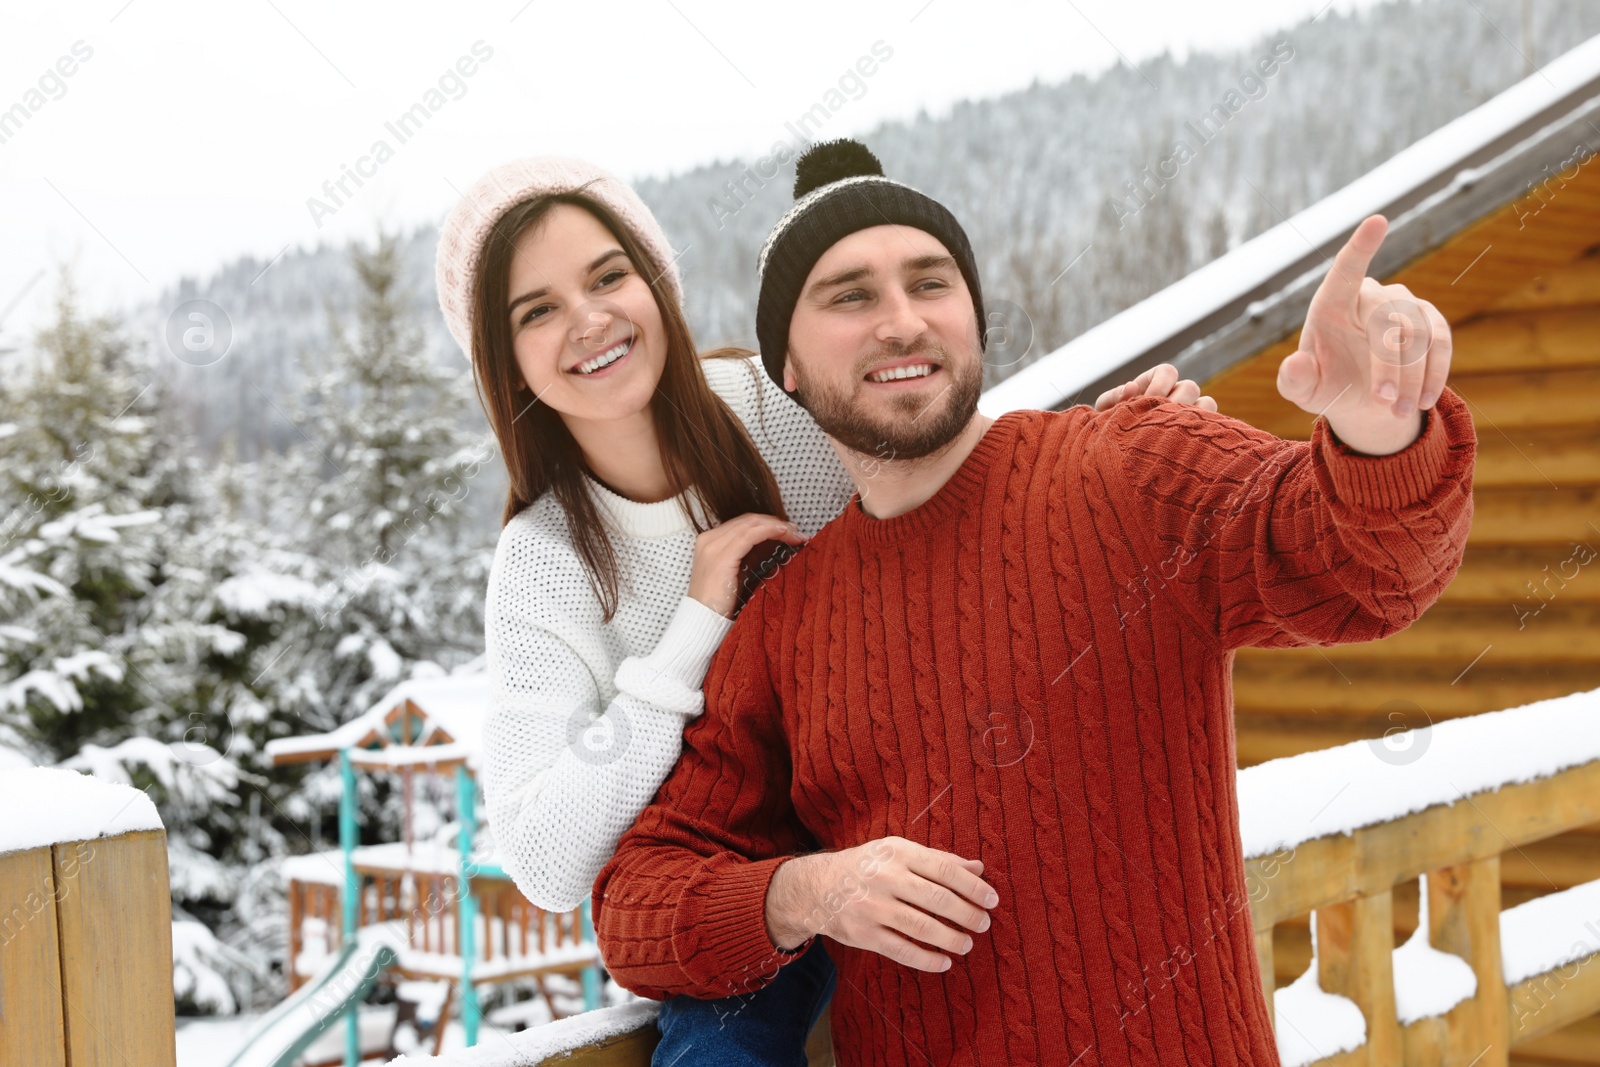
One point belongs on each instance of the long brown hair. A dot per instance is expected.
(703, 444)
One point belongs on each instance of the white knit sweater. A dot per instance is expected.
(587, 717)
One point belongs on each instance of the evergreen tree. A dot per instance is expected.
(82, 493)
(386, 464)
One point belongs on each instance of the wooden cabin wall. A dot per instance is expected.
(1521, 620)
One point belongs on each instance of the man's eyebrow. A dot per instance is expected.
(852, 274)
(537, 293)
(928, 262)
(843, 277)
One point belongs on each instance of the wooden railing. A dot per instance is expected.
(514, 938)
(1348, 880)
(86, 954)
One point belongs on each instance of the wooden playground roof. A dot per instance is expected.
(432, 722)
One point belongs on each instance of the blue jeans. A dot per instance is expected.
(766, 1028)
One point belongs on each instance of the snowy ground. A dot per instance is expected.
(211, 1042)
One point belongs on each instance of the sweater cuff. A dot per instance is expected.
(731, 921)
(673, 674)
(1406, 477)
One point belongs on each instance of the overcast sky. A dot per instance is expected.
(189, 133)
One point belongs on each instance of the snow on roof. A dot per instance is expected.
(1102, 350)
(458, 703)
(413, 755)
(59, 805)
(1284, 802)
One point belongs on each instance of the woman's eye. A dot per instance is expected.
(610, 276)
(534, 313)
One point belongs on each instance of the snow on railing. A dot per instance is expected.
(1333, 832)
(67, 806)
(603, 1031)
(1285, 802)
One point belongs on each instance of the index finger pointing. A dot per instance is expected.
(1350, 263)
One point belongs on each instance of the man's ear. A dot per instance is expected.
(789, 383)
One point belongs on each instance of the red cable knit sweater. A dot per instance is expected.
(1033, 668)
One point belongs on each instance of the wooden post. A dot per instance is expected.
(31, 1027)
(1355, 959)
(406, 784)
(297, 918)
(114, 910)
(1464, 918)
(408, 893)
(444, 915)
(1269, 981)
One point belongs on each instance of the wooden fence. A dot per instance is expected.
(86, 954)
(1349, 881)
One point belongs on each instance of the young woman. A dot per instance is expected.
(649, 487)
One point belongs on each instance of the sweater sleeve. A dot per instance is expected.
(681, 907)
(1276, 543)
(567, 773)
(812, 479)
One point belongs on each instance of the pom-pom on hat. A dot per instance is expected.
(467, 227)
(839, 188)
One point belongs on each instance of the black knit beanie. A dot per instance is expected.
(839, 188)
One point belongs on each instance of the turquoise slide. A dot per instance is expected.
(292, 1026)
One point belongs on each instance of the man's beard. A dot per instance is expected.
(922, 425)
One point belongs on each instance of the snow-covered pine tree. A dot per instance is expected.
(386, 462)
(82, 494)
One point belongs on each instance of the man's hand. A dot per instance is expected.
(1371, 356)
(890, 896)
(1161, 381)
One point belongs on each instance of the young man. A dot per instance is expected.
(995, 692)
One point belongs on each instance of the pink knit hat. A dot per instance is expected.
(466, 228)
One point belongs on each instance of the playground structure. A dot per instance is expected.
(414, 911)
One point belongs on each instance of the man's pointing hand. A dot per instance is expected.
(1371, 356)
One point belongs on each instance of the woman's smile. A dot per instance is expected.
(603, 364)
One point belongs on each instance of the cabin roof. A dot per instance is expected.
(1257, 294)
